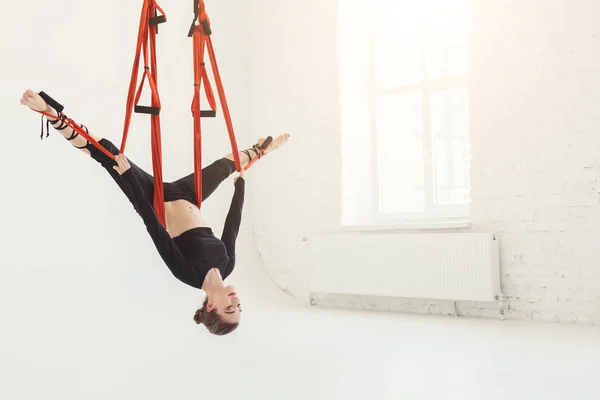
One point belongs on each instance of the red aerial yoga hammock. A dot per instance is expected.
(200, 31)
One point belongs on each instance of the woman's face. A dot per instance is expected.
(225, 299)
(228, 305)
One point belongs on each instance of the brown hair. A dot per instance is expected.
(213, 322)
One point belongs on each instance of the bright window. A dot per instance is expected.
(405, 124)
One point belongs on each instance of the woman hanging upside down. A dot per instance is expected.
(188, 247)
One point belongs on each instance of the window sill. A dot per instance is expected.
(403, 226)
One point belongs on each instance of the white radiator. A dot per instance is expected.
(453, 266)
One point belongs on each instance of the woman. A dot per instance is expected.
(188, 247)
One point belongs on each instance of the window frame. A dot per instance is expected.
(442, 215)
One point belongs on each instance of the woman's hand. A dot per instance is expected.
(242, 175)
(122, 164)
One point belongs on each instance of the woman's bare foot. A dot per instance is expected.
(34, 101)
(276, 143)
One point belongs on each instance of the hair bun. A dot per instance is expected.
(199, 317)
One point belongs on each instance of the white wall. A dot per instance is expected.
(294, 89)
(535, 102)
(534, 92)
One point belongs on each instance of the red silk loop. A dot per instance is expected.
(146, 48)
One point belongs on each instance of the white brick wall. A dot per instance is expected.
(535, 114)
(294, 89)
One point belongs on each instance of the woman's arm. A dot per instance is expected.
(233, 220)
(161, 238)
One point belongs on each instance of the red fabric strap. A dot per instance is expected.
(202, 42)
(73, 125)
(147, 44)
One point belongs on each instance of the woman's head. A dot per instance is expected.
(221, 311)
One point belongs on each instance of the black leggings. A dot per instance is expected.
(182, 189)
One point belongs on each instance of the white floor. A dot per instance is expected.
(117, 326)
(288, 351)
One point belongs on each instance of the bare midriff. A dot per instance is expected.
(181, 216)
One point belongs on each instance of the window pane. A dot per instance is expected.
(450, 129)
(447, 37)
(397, 43)
(400, 147)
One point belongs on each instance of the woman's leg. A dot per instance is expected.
(146, 180)
(212, 176)
(35, 101)
(217, 172)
